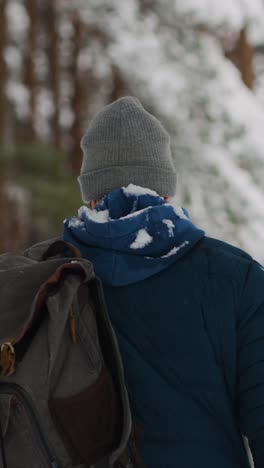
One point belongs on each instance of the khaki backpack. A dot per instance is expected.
(63, 401)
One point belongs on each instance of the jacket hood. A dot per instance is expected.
(131, 235)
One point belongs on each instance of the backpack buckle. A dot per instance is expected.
(7, 359)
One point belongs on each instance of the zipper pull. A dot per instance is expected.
(73, 326)
(7, 359)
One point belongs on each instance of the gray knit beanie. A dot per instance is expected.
(125, 144)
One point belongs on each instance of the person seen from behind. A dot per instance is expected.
(188, 310)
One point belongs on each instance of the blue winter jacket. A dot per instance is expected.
(188, 312)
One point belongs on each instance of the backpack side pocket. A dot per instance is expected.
(90, 422)
(23, 440)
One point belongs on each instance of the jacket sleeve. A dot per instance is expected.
(250, 362)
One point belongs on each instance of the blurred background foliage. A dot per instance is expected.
(198, 65)
(42, 185)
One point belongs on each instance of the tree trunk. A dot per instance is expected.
(3, 69)
(245, 51)
(77, 97)
(119, 87)
(13, 231)
(241, 54)
(29, 69)
(54, 67)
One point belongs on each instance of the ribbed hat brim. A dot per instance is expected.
(95, 184)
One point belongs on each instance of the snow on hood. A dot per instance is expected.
(131, 234)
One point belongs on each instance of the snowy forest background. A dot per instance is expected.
(198, 65)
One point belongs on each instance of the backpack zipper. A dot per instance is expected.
(21, 394)
(72, 318)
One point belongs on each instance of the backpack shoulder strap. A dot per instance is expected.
(54, 247)
(62, 248)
